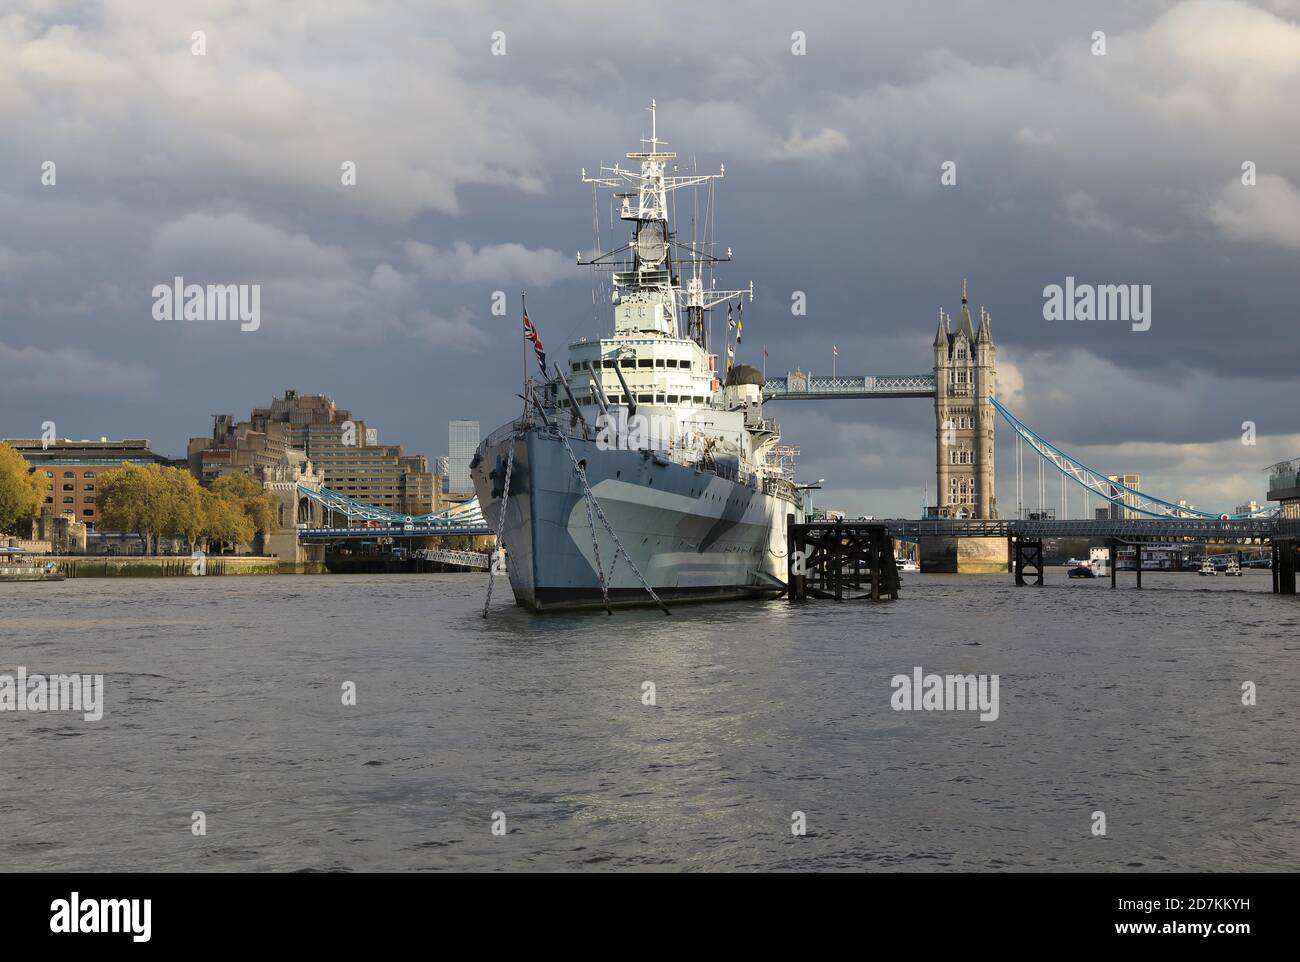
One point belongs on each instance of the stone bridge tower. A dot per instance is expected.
(965, 374)
(292, 509)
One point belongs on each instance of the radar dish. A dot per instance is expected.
(649, 245)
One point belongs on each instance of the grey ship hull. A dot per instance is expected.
(694, 536)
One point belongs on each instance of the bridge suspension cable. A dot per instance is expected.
(1093, 481)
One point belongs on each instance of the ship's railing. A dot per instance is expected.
(505, 431)
(781, 488)
(730, 468)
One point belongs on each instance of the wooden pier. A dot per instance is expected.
(840, 561)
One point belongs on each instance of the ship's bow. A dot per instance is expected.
(500, 473)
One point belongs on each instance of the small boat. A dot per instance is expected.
(907, 565)
(1082, 570)
(1233, 570)
(16, 566)
(1207, 568)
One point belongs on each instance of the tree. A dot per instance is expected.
(21, 492)
(224, 520)
(154, 501)
(184, 514)
(130, 499)
(243, 490)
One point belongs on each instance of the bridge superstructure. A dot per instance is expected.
(367, 521)
(1127, 530)
(1131, 499)
(368, 532)
(796, 386)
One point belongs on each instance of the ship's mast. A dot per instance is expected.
(646, 268)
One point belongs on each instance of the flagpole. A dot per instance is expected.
(523, 305)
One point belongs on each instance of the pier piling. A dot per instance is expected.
(1284, 565)
(840, 561)
(1027, 553)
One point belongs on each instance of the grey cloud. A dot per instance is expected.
(240, 246)
(492, 263)
(1266, 213)
(75, 371)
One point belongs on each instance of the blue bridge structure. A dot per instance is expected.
(363, 521)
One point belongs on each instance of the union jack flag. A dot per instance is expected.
(530, 334)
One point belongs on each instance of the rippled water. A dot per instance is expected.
(224, 695)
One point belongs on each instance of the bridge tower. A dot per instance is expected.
(965, 374)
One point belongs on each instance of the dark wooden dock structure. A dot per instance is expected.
(840, 561)
(1285, 562)
(1026, 557)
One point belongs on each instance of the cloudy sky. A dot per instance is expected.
(1124, 168)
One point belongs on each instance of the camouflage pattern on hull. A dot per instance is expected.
(694, 536)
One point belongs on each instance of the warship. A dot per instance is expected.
(642, 471)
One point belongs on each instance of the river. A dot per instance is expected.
(224, 695)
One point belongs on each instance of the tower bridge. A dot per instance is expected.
(962, 530)
(962, 384)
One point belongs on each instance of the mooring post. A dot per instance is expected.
(1110, 560)
(791, 586)
(836, 562)
(877, 535)
(1272, 545)
(891, 565)
(1137, 554)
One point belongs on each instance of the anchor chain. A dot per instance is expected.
(594, 504)
(595, 547)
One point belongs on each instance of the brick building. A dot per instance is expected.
(71, 469)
